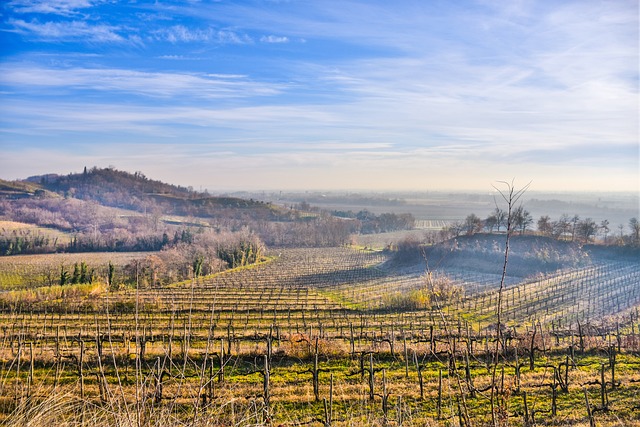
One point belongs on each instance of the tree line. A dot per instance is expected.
(207, 253)
(366, 222)
(566, 227)
(193, 255)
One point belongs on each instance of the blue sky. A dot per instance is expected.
(288, 94)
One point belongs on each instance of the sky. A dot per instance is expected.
(323, 94)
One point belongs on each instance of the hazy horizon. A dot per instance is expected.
(490, 189)
(617, 207)
(359, 95)
(217, 189)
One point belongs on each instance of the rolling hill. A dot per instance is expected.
(119, 189)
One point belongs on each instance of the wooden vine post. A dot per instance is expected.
(371, 378)
(385, 396)
(30, 379)
(328, 408)
(406, 356)
(592, 421)
(604, 398)
(612, 364)
(419, 371)
(526, 409)
(439, 402)
(80, 369)
(157, 395)
(223, 361)
(315, 374)
(265, 385)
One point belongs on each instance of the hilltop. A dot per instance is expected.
(134, 191)
(19, 189)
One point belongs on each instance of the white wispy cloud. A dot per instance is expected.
(157, 84)
(56, 7)
(572, 82)
(183, 34)
(373, 23)
(274, 39)
(285, 122)
(66, 31)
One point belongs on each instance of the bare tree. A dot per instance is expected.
(604, 227)
(456, 228)
(621, 237)
(587, 228)
(472, 224)
(521, 219)
(562, 226)
(574, 228)
(545, 226)
(490, 223)
(501, 217)
(511, 196)
(634, 225)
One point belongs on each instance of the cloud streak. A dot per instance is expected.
(183, 34)
(55, 7)
(153, 84)
(66, 31)
(274, 39)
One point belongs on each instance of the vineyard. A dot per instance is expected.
(34, 271)
(332, 336)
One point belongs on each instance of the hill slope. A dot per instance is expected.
(114, 188)
(528, 255)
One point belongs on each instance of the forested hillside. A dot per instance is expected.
(114, 188)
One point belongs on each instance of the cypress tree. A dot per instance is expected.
(75, 279)
(111, 276)
(64, 276)
(84, 273)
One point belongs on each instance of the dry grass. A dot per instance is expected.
(8, 227)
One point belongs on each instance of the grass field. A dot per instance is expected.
(7, 228)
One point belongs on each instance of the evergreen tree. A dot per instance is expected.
(197, 266)
(111, 276)
(64, 276)
(75, 279)
(84, 273)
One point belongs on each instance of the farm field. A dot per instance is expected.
(33, 271)
(379, 241)
(332, 336)
(11, 226)
(13, 230)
